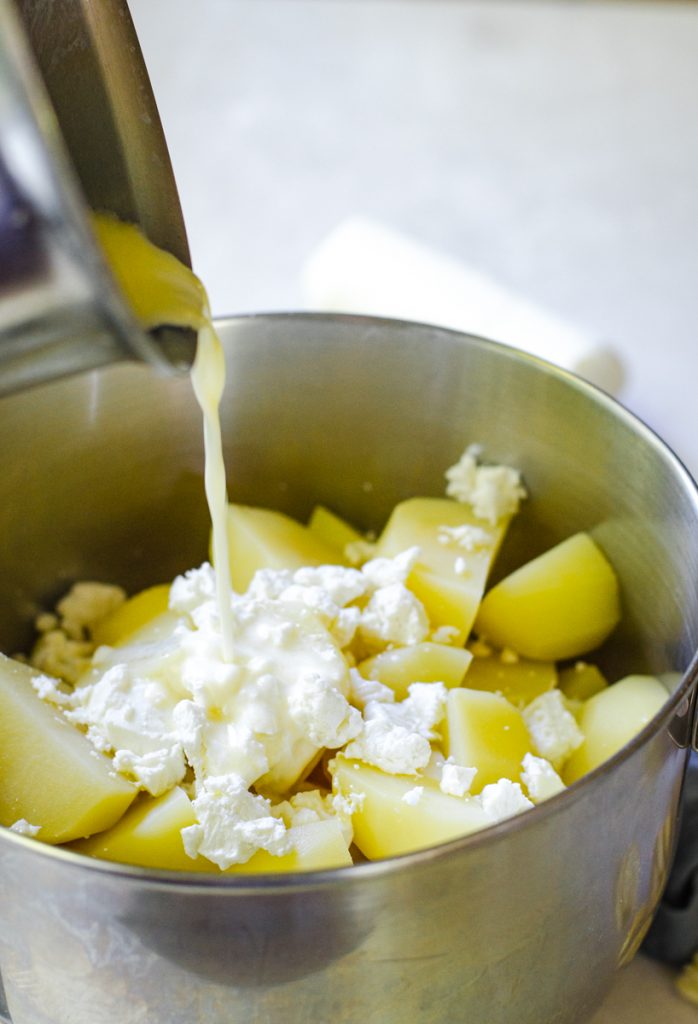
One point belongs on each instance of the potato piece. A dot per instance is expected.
(317, 846)
(611, 718)
(385, 824)
(421, 663)
(486, 732)
(331, 529)
(560, 605)
(581, 681)
(520, 680)
(149, 835)
(456, 552)
(132, 615)
(261, 539)
(50, 774)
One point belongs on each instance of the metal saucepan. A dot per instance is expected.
(100, 478)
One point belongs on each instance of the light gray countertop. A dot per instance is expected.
(551, 145)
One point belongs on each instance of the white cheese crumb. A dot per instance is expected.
(445, 634)
(413, 796)
(392, 748)
(322, 713)
(540, 778)
(57, 655)
(467, 537)
(357, 552)
(394, 615)
(503, 799)
(85, 605)
(553, 729)
(491, 491)
(23, 828)
(383, 572)
(233, 824)
(361, 690)
(455, 779)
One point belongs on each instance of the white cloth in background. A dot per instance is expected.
(365, 267)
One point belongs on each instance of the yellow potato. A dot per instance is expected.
(50, 774)
(484, 731)
(317, 846)
(520, 681)
(149, 835)
(449, 579)
(262, 539)
(386, 825)
(611, 718)
(421, 663)
(582, 681)
(132, 615)
(331, 529)
(560, 605)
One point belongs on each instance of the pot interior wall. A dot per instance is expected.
(100, 476)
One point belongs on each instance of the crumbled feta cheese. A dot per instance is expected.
(392, 748)
(413, 796)
(394, 615)
(233, 824)
(455, 779)
(396, 737)
(52, 691)
(156, 771)
(23, 828)
(503, 799)
(85, 605)
(322, 713)
(357, 552)
(57, 655)
(445, 634)
(553, 729)
(361, 690)
(460, 566)
(193, 588)
(540, 778)
(384, 572)
(467, 537)
(491, 491)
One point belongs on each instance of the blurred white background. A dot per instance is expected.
(553, 146)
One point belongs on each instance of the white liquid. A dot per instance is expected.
(208, 380)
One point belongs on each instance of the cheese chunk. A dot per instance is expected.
(50, 774)
(560, 605)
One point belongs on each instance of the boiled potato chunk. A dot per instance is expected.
(50, 774)
(385, 824)
(421, 663)
(450, 577)
(331, 529)
(317, 846)
(261, 539)
(486, 732)
(611, 718)
(149, 835)
(132, 615)
(582, 681)
(560, 605)
(520, 680)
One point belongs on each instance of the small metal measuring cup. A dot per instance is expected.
(79, 129)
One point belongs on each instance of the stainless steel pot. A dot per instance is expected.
(101, 478)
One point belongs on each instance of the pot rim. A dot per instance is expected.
(281, 884)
